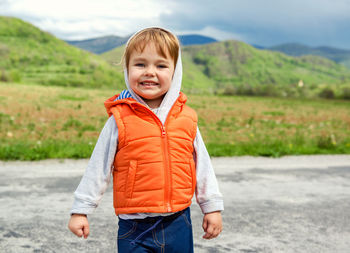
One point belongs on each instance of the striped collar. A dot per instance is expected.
(123, 94)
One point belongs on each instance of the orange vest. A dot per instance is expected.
(154, 170)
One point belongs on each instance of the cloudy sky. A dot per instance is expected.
(265, 23)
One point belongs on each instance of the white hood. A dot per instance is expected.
(172, 94)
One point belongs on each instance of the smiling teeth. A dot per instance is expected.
(147, 83)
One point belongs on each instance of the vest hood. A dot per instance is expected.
(172, 94)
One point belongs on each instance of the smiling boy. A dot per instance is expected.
(152, 146)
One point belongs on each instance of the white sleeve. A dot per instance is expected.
(208, 195)
(98, 171)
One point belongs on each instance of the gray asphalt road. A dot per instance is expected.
(289, 204)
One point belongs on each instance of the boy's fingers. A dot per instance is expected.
(208, 236)
(209, 232)
(86, 231)
(79, 232)
(216, 232)
(212, 233)
(205, 225)
(210, 229)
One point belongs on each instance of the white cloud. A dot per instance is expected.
(93, 27)
(83, 9)
(80, 19)
(254, 21)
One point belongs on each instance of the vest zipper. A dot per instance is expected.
(168, 172)
(167, 191)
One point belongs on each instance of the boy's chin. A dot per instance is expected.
(151, 96)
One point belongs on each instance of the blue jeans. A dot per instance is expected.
(166, 236)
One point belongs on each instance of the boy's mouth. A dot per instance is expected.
(148, 83)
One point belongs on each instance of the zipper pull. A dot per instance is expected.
(168, 207)
(163, 131)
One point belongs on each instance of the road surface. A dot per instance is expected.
(289, 204)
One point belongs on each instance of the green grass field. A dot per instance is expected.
(39, 122)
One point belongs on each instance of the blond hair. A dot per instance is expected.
(163, 40)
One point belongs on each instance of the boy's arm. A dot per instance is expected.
(98, 172)
(208, 195)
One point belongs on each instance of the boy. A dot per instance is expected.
(153, 147)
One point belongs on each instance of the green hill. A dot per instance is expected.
(234, 63)
(29, 55)
(335, 54)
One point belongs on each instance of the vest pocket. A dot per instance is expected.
(129, 185)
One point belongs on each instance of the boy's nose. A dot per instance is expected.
(150, 71)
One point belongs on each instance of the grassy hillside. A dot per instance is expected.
(335, 54)
(29, 55)
(236, 64)
(64, 122)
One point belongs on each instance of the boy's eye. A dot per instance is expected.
(162, 66)
(139, 65)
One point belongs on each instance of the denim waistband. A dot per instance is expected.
(163, 218)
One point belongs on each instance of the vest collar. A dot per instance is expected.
(112, 102)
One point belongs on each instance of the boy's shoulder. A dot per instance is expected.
(183, 99)
(189, 112)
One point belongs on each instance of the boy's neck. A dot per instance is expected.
(153, 103)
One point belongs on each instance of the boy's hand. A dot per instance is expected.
(212, 225)
(79, 225)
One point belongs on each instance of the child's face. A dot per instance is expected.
(150, 74)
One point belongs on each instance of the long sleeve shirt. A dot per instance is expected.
(98, 174)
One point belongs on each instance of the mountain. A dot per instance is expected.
(194, 39)
(258, 46)
(335, 54)
(100, 45)
(30, 55)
